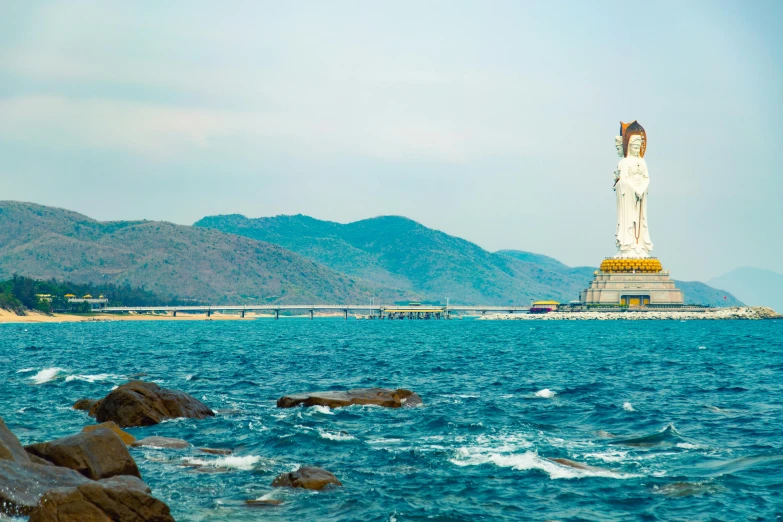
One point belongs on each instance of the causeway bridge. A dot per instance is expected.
(373, 311)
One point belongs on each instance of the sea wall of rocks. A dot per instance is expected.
(736, 313)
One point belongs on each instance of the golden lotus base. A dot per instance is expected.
(644, 265)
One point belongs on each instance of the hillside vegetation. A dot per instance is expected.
(398, 252)
(170, 260)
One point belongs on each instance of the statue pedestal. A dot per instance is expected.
(632, 288)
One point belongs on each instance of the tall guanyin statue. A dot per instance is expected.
(631, 180)
(632, 278)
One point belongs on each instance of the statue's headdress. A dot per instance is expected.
(633, 129)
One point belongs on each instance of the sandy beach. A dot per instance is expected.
(7, 316)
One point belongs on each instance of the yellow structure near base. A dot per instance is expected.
(631, 265)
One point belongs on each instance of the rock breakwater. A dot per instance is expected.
(736, 313)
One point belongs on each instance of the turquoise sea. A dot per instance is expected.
(679, 420)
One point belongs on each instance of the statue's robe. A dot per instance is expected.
(632, 234)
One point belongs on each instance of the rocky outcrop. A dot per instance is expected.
(736, 313)
(308, 478)
(96, 454)
(84, 404)
(117, 499)
(162, 443)
(386, 397)
(139, 403)
(22, 485)
(50, 493)
(10, 447)
(124, 436)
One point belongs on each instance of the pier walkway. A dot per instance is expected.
(374, 311)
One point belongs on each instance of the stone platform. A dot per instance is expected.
(632, 288)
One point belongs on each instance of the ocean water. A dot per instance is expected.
(677, 420)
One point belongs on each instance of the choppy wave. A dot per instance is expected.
(546, 393)
(332, 435)
(46, 375)
(229, 462)
(93, 378)
(667, 437)
(530, 460)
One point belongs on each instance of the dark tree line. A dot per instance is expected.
(20, 293)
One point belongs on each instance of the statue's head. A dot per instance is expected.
(618, 145)
(635, 145)
(633, 130)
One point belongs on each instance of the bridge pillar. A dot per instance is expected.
(311, 314)
(209, 313)
(175, 313)
(277, 314)
(243, 314)
(346, 314)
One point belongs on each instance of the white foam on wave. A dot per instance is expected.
(326, 410)
(546, 393)
(331, 435)
(627, 406)
(687, 445)
(608, 456)
(530, 460)
(230, 461)
(45, 375)
(92, 378)
(25, 370)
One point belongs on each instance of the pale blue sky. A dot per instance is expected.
(493, 121)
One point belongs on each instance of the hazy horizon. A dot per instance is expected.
(494, 123)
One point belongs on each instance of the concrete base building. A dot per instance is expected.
(632, 283)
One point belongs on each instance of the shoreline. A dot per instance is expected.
(747, 313)
(8, 317)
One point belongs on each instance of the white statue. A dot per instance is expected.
(631, 182)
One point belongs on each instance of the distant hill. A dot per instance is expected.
(398, 252)
(755, 286)
(697, 292)
(169, 260)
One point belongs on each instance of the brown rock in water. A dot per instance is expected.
(22, 485)
(217, 451)
(10, 447)
(97, 454)
(385, 397)
(139, 403)
(577, 465)
(162, 443)
(126, 437)
(117, 499)
(308, 478)
(84, 404)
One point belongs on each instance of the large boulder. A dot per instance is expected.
(123, 499)
(124, 436)
(95, 454)
(139, 403)
(308, 478)
(386, 397)
(22, 485)
(10, 447)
